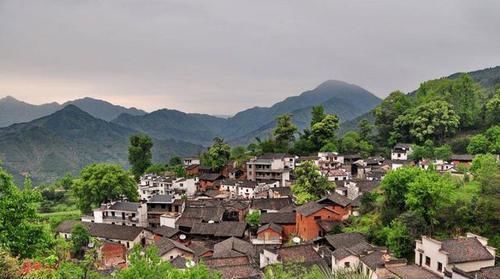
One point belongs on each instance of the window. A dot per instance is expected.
(399, 155)
(317, 217)
(427, 261)
(347, 264)
(440, 267)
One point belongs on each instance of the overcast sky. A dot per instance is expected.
(220, 57)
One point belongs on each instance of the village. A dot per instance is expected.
(245, 217)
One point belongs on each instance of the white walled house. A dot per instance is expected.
(186, 186)
(189, 161)
(120, 213)
(401, 151)
(470, 253)
(152, 184)
(271, 167)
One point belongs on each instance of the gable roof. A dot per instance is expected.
(374, 260)
(223, 229)
(210, 176)
(232, 247)
(283, 191)
(298, 253)
(465, 250)
(100, 230)
(165, 231)
(125, 206)
(309, 208)
(165, 245)
(204, 213)
(336, 198)
(199, 248)
(272, 226)
(278, 218)
(271, 204)
(412, 272)
(161, 199)
(345, 240)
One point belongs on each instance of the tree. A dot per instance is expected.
(240, 155)
(310, 184)
(487, 142)
(253, 219)
(386, 113)
(284, 133)
(318, 114)
(443, 152)
(478, 144)
(399, 240)
(139, 154)
(427, 194)
(80, 238)
(434, 120)
(174, 161)
(365, 130)
(493, 107)
(395, 186)
(217, 155)
(21, 231)
(103, 182)
(324, 131)
(352, 143)
(147, 264)
(156, 169)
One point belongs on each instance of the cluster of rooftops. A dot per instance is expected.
(203, 217)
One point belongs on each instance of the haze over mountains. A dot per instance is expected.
(52, 139)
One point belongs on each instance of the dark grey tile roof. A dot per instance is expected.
(309, 208)
(204, 213)
(336, 198)
(465, 250)
(210, 176)
(412, 272)
(161, 199)
(165, 231)
(278, 218)
(274, 156)
(272, 226)
(402, 145)
(283, 191)
(345, 240)
(165, 244)
(199, 248)
(492, 272)
(341, 253)
(223, 229)
(366, 185)
(179, 262)
(106, 231)
(298, 253)
(374, 259)
(125, 206)
(233, 247)
(271, 204)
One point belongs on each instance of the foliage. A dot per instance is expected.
(21, 232)
(156, 169)
(399, 240)
(324, 131)
(487, 142)
(103, 182)
(80, 238)
(309, 184)
(240, 155)
(493, 108)
(9, 268)
(386, 113)
(298, 271)
(253, 218)
(147, 264)
(352, 143)
(217, 155)
(175, 161)
(139, 154)
(365, 130)
(284, 133)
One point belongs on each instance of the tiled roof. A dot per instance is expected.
(336, 198)
(223, 229)
(366, 185)
(309, 208)
(412, 272)
(402, 145)
(465, 250)
(232, 247)
(274, 156)
(298, 253)
(165, 244)
(106, 231)
(283, 191)
(278, 218)
(199, 248)
(66, 226)
(165, 231)
(345, 240)
(239, 272)
(374, 259)
(272, 226)
(210, 176)
(492, 272)
(161, 199)
(179, 262)
(328, 225)
(271, 204)
(204, 213)
(125, 206)
(341, 253)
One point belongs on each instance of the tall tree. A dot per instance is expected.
(139, 154)
(21, 231)
(324, 131)
(80, 238)
(100, 183)
(365, 130)
(385, 114)
(310, 184)
(217, 155)
(284, 133)
(318, 114)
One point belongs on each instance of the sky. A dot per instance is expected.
(220, 57)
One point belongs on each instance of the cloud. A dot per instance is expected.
(196, 55)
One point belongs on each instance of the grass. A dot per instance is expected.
(55, 218)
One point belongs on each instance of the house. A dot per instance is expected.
(207, 180)
(483, 273)
(271, 167)
(233, 247)
(286, 220)
(465, 159)
(184, 186)
(269, 234)
(467, 254)
(347, 248)
(169, 249)
(218, 230)
(280, 192)
(152, 185)
(336, 174)
(303, 254)
(113, 254)
(438, 165)
(411, 272)
(192, 170)
(167, 232)
(376, 264)
(190, 161)
(127, 235)
(401, 151)
(234, 267)
(238, 188)
(201, 249)
(120, 213)
(332, 208)
(270, 205)
(234, 171)
(162, 204)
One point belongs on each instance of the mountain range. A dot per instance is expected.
(50, 140)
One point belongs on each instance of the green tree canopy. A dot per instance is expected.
(21, 231)
(103, 182)
(310, 184)
(324, 131)
(386, 113)
(284, 133)
(156, 169)
(217, 155)
(139, 154)
(487, 142)
(80, 238)
(317, 115)
(174, 161)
